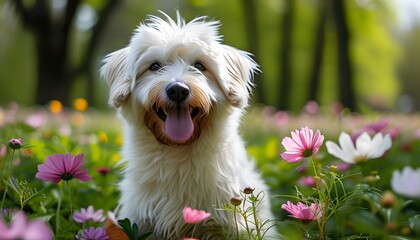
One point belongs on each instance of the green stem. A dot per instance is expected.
(245, 218)
(257, 225)
(236, 222)
(9, 172)
(70, 202)
(57, 214)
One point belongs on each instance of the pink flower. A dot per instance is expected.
(93, 233)
(303, 212)
(376, 127)
(302, 144)
(89, 214)
(21, 228)
(194, 215)
(3, 150)
(62, 167)
(307, 181)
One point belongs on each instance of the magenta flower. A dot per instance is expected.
(93, 233)
(194, 215)
(307, 181)
(302, 144)
(88, 214)
(21, 228)
(303, 212)
(62, 167)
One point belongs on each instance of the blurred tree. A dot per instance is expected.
(53, 32)
(410, 72)
(252, 36)
(345, 78)
(286, 34)
(315, 74)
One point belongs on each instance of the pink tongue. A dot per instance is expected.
(178, 125)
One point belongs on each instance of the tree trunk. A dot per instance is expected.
(252, 36)
(285, 55)
(345, 76)
(55, 75)
(319, 43)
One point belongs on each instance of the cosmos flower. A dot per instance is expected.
(62, 167)
(21, 228)
(302, 211)
(302, 144)
(405, 182)
(89, 214)
(194, 216)
(93, 233)
(365, 148)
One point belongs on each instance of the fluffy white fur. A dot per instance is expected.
(163, 174)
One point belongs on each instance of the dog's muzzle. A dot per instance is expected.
(178, 115)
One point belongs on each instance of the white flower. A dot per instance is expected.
(366, 148)
(405, 182)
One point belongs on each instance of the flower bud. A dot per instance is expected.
(249, 190)
(388, 199)
(15, 143)
(236, 201)
(333, 168)
(371, 179)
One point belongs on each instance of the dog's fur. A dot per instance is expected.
(202, 165)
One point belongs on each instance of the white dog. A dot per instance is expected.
(180, 93)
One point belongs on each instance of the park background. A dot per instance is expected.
(333, 65)
(361, 53)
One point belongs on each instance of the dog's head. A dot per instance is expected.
(175, 73)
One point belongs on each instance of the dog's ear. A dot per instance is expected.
(114, 73)
(237, 80)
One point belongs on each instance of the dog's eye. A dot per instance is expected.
(199, 66)
(155, 66)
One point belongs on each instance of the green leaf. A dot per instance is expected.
(130, 230)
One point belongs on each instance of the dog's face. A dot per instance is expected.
(174, 74)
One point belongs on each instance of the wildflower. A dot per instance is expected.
(405, 182)
(21, 228)
(103, 170)
(102, 137)
(56, 106)
(307, 181)
(88, 214)
(377, 126)
(302, 144)
(15, 143)
(93, 233)
(194, 215)
(388, 199)
(62, 167)
(303, 212)
(80, 104)
(36, 120)
(311, 107)
(365, 148)
(3, 150)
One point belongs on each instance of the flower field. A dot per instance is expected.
(333, 175)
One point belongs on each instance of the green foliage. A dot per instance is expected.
(356, 206)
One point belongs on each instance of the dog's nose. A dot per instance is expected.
(177, 91)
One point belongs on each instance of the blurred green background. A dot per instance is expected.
(361, 53)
